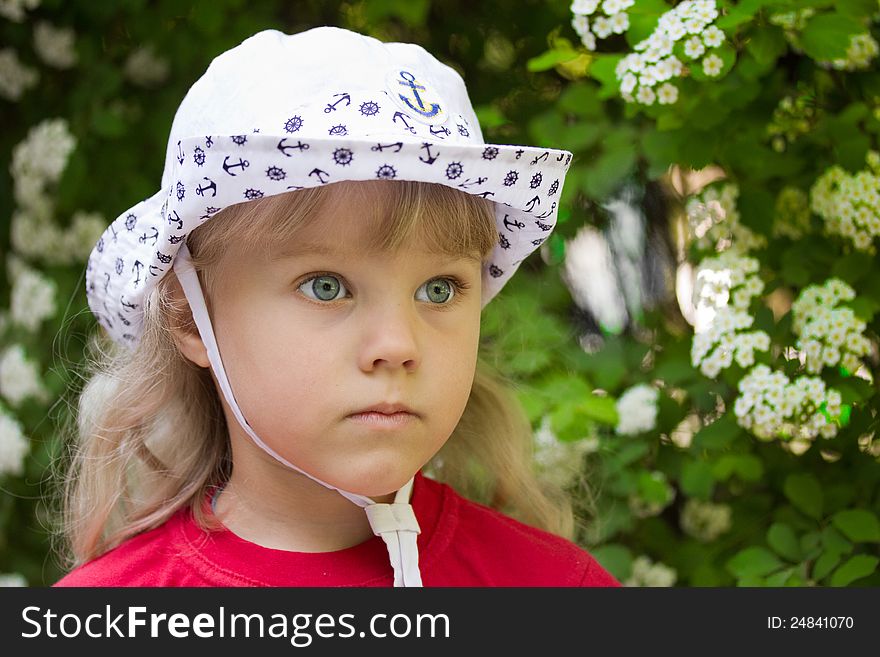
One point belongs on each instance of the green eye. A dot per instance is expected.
(322, 288)
(439, 290)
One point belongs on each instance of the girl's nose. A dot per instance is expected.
(390, 339)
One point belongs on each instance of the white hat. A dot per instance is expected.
(285, 112)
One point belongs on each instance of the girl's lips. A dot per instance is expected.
(380, 420)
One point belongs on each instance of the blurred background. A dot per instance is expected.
(697, 343)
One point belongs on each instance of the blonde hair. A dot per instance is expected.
(151, 437)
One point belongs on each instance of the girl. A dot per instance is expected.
(331, 222)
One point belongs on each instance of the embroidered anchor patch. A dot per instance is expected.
(416, 96)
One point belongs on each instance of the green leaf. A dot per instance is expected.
(834, 541)
(549, 59)
(858, 525)
(742, 12)
(767, 44)
(717, 435)
(616, 559)
(697, 479)
(754, 561)
(603, 70)
(601, 409)
(643, 18)
(861, 565)
(780, 578)
(756, 207)
(805, 493)
(783, 540)
(825, 564)
(826, 36)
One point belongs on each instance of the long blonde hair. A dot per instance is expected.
(151, 436)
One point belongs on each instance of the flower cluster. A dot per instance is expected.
(613, 19)
(637, 410)
(559, 461)
(705, 521)
(19, 377)
(647, 573)
(33, 299)
(715, 221)
(13, 445)
(792, 216)
(829, 334)
(850, 204)
(14, 9)
(15, 77)
(145, 68)
(793, 117)
(724, 289)
(770, 405)
(12, 580)
(655, 494)
(862, 50)
(55, 45)
(654, 62)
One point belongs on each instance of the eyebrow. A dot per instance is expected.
(299, 249)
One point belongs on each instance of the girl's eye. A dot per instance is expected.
(437, 290)
(323, 288)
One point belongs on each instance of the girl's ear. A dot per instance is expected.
(183, 327)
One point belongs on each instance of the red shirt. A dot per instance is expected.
(462, 544)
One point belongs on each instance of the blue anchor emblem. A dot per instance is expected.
(428, 158)
(128, 305)
(158, 270)
(403, 118)
(286, 147)
(381, 147)
(243, 164)
(540, 157)
(331, 107)
(155, 236)
(470, 182)
(212, 186)
(515, 223)
(532, 203)
(547, 214)
(176, 218)
(180, 154)
(409, 80)
(137, 269)
(320, 174)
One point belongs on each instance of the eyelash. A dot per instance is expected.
(459, 287)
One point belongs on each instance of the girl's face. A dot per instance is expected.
(314, 334)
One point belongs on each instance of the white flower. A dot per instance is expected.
(581, 24)
(712, 65)
(14, 9)
(85, 230)
(146, 69)
(667, 94)
(589, 40)
(611, 7)
(647, 573)
(602, 27)
(55, 45)
(620, 23)
(34, 236)
(33, 299)
(637, 410)
(713, 37)
(628, 83)
(19, 377)
(585, 7)
(693, 47)
(560, 461)
(42, 155)
(646, 96)
(705, 521)
(15, 77)
(13, 446)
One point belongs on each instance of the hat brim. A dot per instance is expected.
(213, 172)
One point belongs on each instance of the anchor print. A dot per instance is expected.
(299, 146)
(538, 242)
(208, 142)
(113, 230)
(155, 236)
(156, 270)
(470, 182)
(243, 164)
(428, 158)
(548, 213)
(343, 96)
(208, 212)
(106, 317)
(381, 147)
(127, 305)
(122, 317)
(409, 80)
(541, 157)
(516, 223)
(443, 132)
(560, 157)
(107, 282)
(176, 218)
(180, 154)
(532, 203)
(485, 194)
(519, 153)
(403, 117)
(212, 186)
(138, 265)
(320, 173)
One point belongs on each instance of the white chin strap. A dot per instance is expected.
(396, 523)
